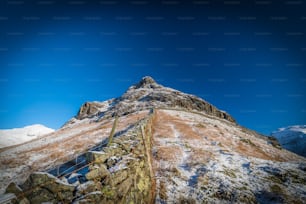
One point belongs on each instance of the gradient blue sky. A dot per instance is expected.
(245, 57)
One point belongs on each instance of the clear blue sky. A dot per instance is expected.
(248, 59)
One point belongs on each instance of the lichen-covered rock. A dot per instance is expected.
(43, 187)
(97, 173)
(17, 191)
(97, 156)
(118, 177)
(13, 188)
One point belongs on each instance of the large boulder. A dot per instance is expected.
(43, 187)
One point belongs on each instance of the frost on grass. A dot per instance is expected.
(204, 159)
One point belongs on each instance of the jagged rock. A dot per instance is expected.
(88, 109)
(91, 109)
(146, 82)
(148, 94)
(43, 187)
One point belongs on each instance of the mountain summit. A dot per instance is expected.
(147, 94)
(152, 145)
(146, 82)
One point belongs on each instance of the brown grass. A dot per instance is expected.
(169, 153)
(163, 190)
(254, 148)
(164, 121)
(74, 144)
(200, 156)
(186, 131)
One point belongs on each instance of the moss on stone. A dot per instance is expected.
(108, 192)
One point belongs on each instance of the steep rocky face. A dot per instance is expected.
(90, 109)
(292, 138)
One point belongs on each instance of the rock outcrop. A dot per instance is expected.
(90, 109)
(42, 187)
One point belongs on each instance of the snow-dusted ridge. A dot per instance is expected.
(292, 138)
(10, 137)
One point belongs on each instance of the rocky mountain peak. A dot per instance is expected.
(147, 94)
(146, 82)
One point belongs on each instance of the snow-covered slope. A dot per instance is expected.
(9, 137)
(205, 160)
(292, 138)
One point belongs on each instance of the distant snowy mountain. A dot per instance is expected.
(9, 137)
(292, 138)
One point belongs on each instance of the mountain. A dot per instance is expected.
(148, 94)
(16, 136)
(292, 138)
(152, 145)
